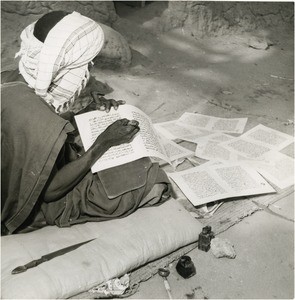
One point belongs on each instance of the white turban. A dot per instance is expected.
(58, 68)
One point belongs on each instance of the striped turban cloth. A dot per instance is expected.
(58, 68)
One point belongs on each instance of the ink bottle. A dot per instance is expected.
(185, 267)
(205, 238)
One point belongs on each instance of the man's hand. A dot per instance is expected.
(105, 104)
(120, 132)
(65, 179)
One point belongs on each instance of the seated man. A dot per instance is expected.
(44, 180)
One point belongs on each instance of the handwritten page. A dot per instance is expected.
(247, 148)
(213, 182)
(209, 147)
(268, 137)
(146, 142)
(258, 141)
(217, 137)
(229, 125)
(175, 151)
(173, 130)
(199, 135)
(213, 150)
(276, 167)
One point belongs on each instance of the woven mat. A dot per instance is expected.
(228, 214)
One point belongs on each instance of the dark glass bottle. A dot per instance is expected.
(205, 238)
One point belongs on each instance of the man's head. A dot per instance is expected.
(46, 23)
(55, 53)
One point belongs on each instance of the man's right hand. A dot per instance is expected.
(120, 132)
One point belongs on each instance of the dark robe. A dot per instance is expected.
(36, 142)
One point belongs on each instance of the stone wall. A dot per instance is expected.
(15, 15)
(207, 18)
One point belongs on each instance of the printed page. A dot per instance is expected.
(268, 137)
(146, 142)
(277, 168)
(229, 125)
(213, 182)
(172, 130)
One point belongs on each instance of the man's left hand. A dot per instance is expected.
(105, 104)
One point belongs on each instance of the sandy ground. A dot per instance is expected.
(173, 73)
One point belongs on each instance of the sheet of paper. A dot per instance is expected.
(209, 183)
(256, 142)
(268, 137)
(218, 137)
(175, 151)
(213, 150)
(209, 147)
(246, 148)
(276, 167)
(212, 162)
(229, 125)
(146, 142)
(199, 134)
(172, 130)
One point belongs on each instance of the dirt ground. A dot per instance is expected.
(225, 76)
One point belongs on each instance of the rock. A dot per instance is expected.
(222, 248)
(227, 92)
(259, 43)
(116, 52)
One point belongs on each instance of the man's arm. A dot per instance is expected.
(120, 132)
(71, 174)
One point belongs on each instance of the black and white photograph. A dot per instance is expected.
(147, 149)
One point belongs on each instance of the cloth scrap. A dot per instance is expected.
(113, 287)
